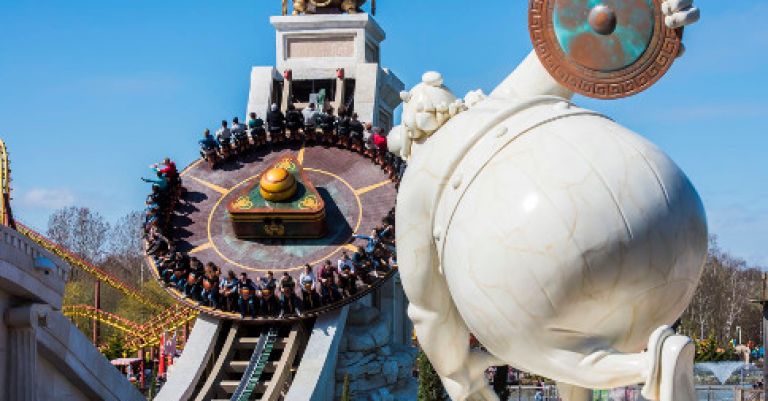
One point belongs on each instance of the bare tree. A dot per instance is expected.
(81, 230)
(125, 235)
(723, 299)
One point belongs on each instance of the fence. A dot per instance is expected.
(704, 393)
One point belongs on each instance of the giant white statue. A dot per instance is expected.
(565, 243)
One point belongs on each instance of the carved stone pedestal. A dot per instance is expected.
(23, 323)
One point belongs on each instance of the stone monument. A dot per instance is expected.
(563, 242)
(331, 59)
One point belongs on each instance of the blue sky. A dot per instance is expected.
(92, 92)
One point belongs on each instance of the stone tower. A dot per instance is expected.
(337, 55)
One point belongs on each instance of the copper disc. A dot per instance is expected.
(605, 49)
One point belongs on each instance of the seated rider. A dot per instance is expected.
(294, 120)
(327, 125)
(224, 135)
(239, 133)
(270, 306)
(310, 121)
(208, 142)
(246, 291)
(309, 297)
(237, 128)
(276, 124)
(347, 281)
(161, 182)
(228, 291)
(329, 292)
(210, 293)
(289, 302)
(342, 128)
(256, 129)
(356, 129)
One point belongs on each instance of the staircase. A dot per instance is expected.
(254, 363)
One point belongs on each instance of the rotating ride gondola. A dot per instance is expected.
(226, 216)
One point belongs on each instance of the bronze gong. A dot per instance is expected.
(605, 49)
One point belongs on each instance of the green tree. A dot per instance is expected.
(430, 386)
(113, 347)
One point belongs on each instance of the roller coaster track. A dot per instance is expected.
(89, 312)
(6, 217)
(136, 335)
(89, 268)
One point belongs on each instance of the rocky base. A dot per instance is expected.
(377, 369)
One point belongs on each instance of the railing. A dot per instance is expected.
(26, 252)
(703, 393)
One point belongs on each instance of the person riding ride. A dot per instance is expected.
(356, 129)
(310, 123)
(240, 136)
(342, 129)
(294, 121)
(208, 147)
(210, 293)
(276, 124)
(228, 291)
(327, 125)
(224, 136)
(257, 131)
(247, 291)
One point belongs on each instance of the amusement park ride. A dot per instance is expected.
(589, 238)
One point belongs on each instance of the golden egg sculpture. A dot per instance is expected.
(277, 185)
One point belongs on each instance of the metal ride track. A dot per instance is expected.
(254, 362)
(137, 336)
(96, 272)
(6, 217)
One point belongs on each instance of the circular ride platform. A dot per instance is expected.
(357, 196)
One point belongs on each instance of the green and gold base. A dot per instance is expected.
(283, 204)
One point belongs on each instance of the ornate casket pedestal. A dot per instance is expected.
(264, 211)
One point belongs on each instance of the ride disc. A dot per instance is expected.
(605, 49)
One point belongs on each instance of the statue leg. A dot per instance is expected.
(666, 368)
(441, 332)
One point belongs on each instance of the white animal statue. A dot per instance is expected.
(565, 243)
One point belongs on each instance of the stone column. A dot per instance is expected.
(22, 324)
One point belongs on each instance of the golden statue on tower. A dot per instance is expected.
(327, 6)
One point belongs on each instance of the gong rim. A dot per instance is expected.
(655, 61)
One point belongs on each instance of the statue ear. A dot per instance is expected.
(405, 96)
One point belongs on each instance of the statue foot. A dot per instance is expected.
(650, 390)
(469, 383)
(677, 383)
